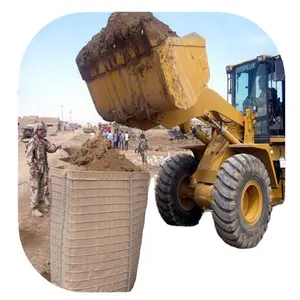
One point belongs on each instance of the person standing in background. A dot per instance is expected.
(122, 142)
(104, 134)
(110, 137)
(126, 140)
(116, 139)
(142, 149)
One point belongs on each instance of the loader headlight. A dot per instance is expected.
(260, 58)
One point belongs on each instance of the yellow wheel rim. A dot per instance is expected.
(251, 203)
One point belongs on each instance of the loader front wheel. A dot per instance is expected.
(173, 196)
(241, 204)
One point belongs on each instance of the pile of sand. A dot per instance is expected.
(137, 30)
(98, 155)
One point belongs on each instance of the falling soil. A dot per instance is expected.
(97, 155)
(139, 31)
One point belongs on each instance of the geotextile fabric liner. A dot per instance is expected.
(96, 228)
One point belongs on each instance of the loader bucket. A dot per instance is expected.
(143, 76)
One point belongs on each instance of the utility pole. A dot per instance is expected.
(62, 113)
(70, 116)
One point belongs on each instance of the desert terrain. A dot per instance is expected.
(34, 232)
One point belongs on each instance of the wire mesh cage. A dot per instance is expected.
(96, 228)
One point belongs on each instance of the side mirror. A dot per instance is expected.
(279, 70)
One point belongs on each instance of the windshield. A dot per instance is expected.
(250, 90)
(243, 78)
(250, 86)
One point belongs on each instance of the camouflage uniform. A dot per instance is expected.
(142, 148)
(36, 155)
(46, 189)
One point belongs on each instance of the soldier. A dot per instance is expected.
(142, 148)
(36, 155)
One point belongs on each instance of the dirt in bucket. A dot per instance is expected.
(97, 154)
(124, 24)
(124, 28)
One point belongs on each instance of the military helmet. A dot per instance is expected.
(40, 126)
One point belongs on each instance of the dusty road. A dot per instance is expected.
(34, 232)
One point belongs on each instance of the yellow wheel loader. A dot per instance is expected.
(238, 171)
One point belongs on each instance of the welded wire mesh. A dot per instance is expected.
(96, 228)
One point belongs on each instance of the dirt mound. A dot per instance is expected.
(140, 30)
(97, 155)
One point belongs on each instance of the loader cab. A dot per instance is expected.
(259, 85)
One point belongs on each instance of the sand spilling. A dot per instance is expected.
(98, 155)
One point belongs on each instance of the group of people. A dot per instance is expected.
(119, 139)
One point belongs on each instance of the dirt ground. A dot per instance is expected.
(34, 232)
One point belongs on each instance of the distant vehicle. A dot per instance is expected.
(176, 134)
(28, 132)
(88, 128)
(107, 128)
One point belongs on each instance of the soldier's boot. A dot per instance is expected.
(47, 204)
(36, 213)
(44, 209)
(47, 201)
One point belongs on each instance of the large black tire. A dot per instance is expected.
(168, 202)
(240, 220)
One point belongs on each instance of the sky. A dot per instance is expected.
(50, 84)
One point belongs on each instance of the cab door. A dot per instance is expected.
(276, 85)
(260, 94)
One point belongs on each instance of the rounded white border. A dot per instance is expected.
(22, 20)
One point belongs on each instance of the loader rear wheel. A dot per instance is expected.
(241, 204)
(172, 194)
